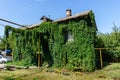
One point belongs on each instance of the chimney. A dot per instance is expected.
(68, 12)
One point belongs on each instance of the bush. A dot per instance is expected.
(9, 67)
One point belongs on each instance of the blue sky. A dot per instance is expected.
(30, 11)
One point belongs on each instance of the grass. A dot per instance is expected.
(107, 73)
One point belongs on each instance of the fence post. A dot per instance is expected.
(39, 59)
(101, 58)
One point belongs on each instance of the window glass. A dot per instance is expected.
(69, 36)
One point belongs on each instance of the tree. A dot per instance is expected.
(2, 43)
(112, 41)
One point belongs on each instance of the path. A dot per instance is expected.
(2, 65)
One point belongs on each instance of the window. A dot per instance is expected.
(69, 36)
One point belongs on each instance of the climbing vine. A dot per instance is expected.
(50, 39)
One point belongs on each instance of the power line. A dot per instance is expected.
(11, 22)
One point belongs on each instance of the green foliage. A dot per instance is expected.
(50, 39)
(8, 67)
(110, 40)
(9, 78)
(2, 43)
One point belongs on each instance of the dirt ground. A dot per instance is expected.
(2, 65)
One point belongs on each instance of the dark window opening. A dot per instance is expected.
(69, 36)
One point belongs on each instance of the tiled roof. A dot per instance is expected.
(85, 13)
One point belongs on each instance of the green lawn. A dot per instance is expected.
(107, 73)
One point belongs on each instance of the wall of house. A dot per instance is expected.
(78, 53)
(52, 40)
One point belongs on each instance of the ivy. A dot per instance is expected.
(50, 39)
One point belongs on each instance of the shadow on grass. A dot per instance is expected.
(98, 66)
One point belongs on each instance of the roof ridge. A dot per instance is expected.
(73, 16)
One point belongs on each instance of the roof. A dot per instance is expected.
(44, 18)
(85, 13)
(31, 26)
(82, 14)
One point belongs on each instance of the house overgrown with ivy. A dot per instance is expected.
(66, 42)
